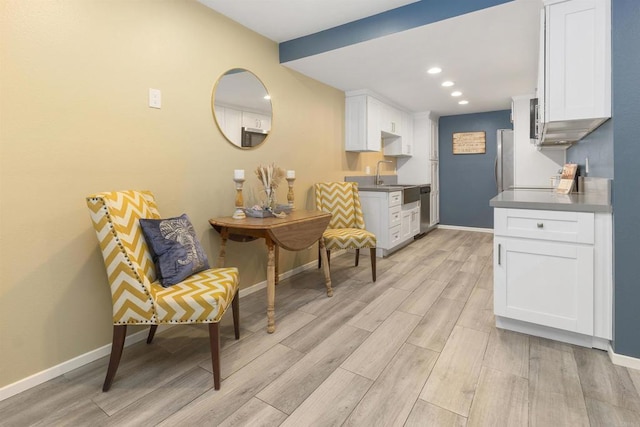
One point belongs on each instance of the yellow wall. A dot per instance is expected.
(74, 82)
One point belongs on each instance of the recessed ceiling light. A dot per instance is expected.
(434, 70)
(447, 83)
(463, 102)
(456, 93)
(267, 97)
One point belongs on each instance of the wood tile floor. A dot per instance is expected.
(416, 348)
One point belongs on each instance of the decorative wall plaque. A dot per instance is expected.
(469, 143)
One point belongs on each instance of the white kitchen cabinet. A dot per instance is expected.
(434, 204)
(256, 121)
(391, 121)
(405, 232)
(552, 274)
(574, 91)
(415, 220)
(384, 215)
(230, 123)
(400, 146)
(363, 115)
(410, 221)
(433, 140)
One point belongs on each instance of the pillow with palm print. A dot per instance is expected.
(174, 247)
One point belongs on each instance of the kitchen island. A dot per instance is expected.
(553, 265)
(392, 213)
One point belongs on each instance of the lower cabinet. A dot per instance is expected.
(392, 222)
(552, 274)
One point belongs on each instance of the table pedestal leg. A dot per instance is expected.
(271, 286)
(224, 233)
(325, 267)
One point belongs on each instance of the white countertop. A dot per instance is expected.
(552, 201)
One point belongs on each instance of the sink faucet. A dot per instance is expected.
(378, 180)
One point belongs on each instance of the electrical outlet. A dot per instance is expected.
(155, 98)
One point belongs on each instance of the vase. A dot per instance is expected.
(271, 198)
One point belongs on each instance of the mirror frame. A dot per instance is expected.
(213, 107)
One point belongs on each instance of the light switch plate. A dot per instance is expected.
(155, 98)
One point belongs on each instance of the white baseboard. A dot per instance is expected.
(64, 367)
(622, 360)
(459, 227)
(308, 266)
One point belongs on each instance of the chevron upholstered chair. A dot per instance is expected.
(346, 229)
(138, 297)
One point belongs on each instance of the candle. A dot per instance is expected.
(238, 174)
(291, 174)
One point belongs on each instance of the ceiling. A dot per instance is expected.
(491, 54)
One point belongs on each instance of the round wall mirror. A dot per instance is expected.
(242, 108)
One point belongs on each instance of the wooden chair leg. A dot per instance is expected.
(319, 257)
(119, 334)
(214, 343)
(357, 257)
(329, 257)
(152, 333)
(235, 307)
(373, 263)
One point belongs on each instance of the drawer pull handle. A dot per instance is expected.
(499, 247)
(540, 225)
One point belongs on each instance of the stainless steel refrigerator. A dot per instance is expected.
(504, 172)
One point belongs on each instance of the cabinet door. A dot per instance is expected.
(406, 225)
(578, 82)
(233, 125)
(435, 193)
(362, 123)
(256, 121)
(545, 283)
(415, 221)
(391, 120)
(433, 146)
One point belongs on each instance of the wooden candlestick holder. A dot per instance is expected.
(290, 197)
(239, 212)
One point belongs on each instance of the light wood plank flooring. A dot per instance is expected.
(416, 348)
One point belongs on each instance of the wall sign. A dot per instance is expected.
(469, 143)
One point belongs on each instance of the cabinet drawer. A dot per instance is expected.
(395, 198)
(395, 236)
(574, 227)
(395, 216)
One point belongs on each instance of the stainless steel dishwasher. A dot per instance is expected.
(425, 209)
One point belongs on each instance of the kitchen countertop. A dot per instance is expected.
(552, 201)
(384, 188)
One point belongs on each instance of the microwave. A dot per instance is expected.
(253, 136)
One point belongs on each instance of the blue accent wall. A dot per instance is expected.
(467, 181)
(625, 57)
(598, 147)
(393, 21)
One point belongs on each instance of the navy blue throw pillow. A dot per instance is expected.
(174, 247)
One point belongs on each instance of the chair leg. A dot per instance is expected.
(235, 307)
(357, 257)
(214, 343)
(152, 333)
(373, 263)
(119, 334)
(329, 257)
(319, 257)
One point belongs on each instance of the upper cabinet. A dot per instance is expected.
(363, 115)
(256, 121)
(374, 125)
(574, 85)
(391, 123)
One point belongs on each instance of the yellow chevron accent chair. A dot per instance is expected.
(138, 297)
(346, 229)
